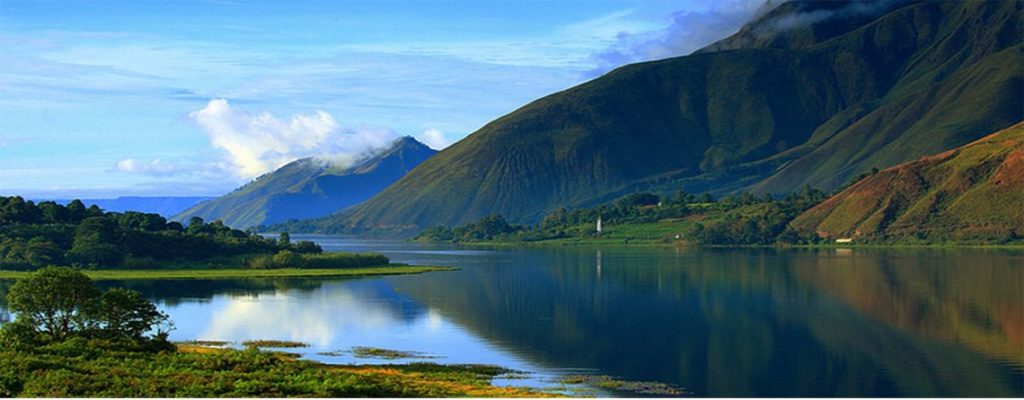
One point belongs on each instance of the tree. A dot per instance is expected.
(40, 252)
(96, 242)
(125, 314)
(75, 211)
(284, 240)
(196, 225)
(307, 247)
(59, 301)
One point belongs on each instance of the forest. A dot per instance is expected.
(35, 235)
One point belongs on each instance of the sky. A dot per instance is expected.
(113, 98)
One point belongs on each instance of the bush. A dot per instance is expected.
(288, 259)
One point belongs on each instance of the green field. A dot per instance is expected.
(101, 275)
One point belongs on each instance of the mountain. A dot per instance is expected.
(310, 188)
(163, 205)
(810, 93)
(971, 193)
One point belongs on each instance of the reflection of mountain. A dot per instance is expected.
(746, 323)
(942, 294)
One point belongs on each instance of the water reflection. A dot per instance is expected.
(747, 322)
(755, 322)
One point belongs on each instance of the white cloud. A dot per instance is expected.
(434, 138)
(154, 167)
(259, 143)
(688, 30)
(217, 171)
(805, 18)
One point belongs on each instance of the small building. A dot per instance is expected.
(844, 240)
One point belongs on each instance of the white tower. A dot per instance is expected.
(598, 225)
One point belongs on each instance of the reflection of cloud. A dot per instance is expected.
(315, 319)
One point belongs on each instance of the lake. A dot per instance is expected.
(711, 322)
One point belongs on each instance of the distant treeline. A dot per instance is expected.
(34, 235)
(742, 219)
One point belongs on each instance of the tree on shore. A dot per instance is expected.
(58, 303)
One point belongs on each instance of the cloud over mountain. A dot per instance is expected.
(257, 143)
(696, 26)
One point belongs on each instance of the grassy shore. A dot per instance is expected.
(126, 274)
(78, 368)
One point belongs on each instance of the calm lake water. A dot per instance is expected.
(719, 322)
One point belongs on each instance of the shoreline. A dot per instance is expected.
(658, 244)
(242, 273)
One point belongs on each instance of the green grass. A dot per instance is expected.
(79, 368)
(101, 275)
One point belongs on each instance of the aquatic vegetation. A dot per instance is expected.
(615, 384)
(373, 352)
(274, 343)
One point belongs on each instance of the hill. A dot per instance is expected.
(811, 93)
(972, 193)
(310, 188)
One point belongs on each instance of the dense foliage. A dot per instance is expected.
(33, 235)
(742, 219)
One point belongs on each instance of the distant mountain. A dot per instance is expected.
(971, 193)
(310, 188)
(163, 205)
(811, 93)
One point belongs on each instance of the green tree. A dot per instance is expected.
(125, 314)
(58, 301)
(196, 225)
(284, 240)
(39, 252)
(307, 247)
(96, 242)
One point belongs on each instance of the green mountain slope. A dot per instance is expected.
(975, 192)
(767, 110)
(310, 188)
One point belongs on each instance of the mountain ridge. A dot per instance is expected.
(919, 78)
(310, 188)
(973, 192)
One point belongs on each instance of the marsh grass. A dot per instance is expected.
(283, 344)
(611, 383)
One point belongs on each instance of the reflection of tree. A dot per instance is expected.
(724, 323)
(175, 291)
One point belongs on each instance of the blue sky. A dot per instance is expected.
(109, 98)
